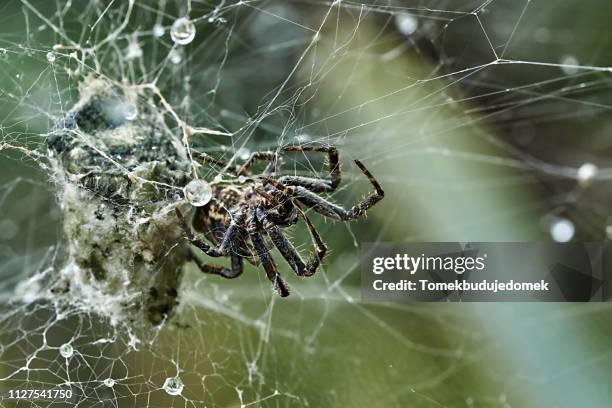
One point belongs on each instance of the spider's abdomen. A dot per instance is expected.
(213, 219)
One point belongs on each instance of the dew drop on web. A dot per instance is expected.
(609, 231)
(406, 23)
(586, 174)
(569, 64)
(562, 230)
(173, 386)
(158, 30)
(66, 350)
(109, 382)
(175, 57)
(198, 192)
(183, 31)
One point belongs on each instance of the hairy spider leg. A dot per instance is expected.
(234, 272)
(238, 170)
(320, 247)
(205, 158)
(222, 249)
(224, 246)
(329, 209)
(264, 256)
(288, 251)
(259, 156)
(314, 184)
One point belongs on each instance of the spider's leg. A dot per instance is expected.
(234, 272)
(268, 265)
(220, 250)
(286, 249)
(289, 252)
(313, 184)
(205, 158)
(371, 199)
(354, 212)
(257, 156)
(266, 259)
(272, 168)
(329, 209)
(320, 248)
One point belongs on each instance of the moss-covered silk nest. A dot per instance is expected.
(119, 174)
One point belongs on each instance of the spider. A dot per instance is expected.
(239, 216)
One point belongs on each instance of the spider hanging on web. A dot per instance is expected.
(235, 218)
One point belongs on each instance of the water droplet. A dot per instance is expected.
(109, 382)
(406, 23)
(51, 56)
(569, 64)
(609, 231)
(562, 230)
(198, 192)
(131, 112)
(175, 57)
(66, 350)
(243, 153)
(183, 31)
(173, 386)
(241, 179)
(586, 173)
(159, 30)
(218, 178)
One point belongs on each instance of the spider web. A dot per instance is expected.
(483, 120)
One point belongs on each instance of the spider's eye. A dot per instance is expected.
(198, 192)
